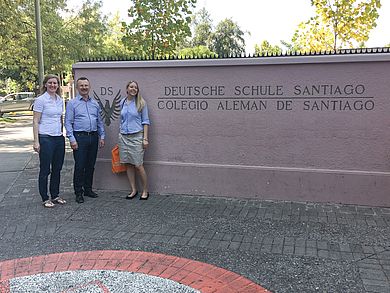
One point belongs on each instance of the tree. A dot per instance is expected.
(86, 31)
(67, 37)
(265, 48)
(196, 52)
(157, 26)
(112, 42)
(228, 39)
(338, 23)
(312, 35)
(202, 28)
(17, 36)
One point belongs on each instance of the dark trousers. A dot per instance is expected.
(84, 162)
(51, 159)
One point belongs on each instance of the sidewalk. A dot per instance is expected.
(281, 246)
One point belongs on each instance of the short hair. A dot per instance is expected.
(82, 78)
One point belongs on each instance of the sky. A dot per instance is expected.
(271, 20)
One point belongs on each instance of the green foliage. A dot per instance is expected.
(67, 37)
(17, 36)
(157, 27)
(197, 52)
(228, 39)
(112, 42)
(290, 46)
(313, 35)
(86, 31)
(337, 24)
(202, 28)
(265, 48)
(9, 85)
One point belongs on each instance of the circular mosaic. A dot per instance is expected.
(117, 271)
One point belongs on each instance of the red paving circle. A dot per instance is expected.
(194, 274)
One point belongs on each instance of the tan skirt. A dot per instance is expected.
(131, 150)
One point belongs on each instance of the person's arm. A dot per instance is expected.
(62, 118)
(69, 120)
(36, 119)
(145, 141)
(145, 123)
(100, 129)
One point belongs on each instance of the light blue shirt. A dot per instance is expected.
(133, 121)
(83, 116)
(51, 113)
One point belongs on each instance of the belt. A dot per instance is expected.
(85, 132)
(47, 135)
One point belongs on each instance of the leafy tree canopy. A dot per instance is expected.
(228, 39)
(67, 36)
(265, 48)
(337, 24)
(157, 27)
(202, 28)
(197, 52)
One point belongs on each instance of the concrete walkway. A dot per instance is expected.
(280, 246)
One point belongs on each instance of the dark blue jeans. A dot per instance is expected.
(51, 159)
(84, 162)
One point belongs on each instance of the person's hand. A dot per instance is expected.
(145, 143)
(101, 143)
(36, 147)
(74, 145)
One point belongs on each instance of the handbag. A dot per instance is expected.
(116, 165)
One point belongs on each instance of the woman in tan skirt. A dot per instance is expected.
(133, 138)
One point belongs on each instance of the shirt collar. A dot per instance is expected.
(46, 94)
(80, 98)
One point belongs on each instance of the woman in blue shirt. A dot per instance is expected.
(133, 138)
(49, 141)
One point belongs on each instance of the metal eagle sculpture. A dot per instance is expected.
(109, 113)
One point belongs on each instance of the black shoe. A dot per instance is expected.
(131, 197)
(79, 198)
(144, 198)
(91, 194)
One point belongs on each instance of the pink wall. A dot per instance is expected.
(259, 127)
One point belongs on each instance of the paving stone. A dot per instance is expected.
(369, 265)
(322, 245)
(194, 241)
(373, 274)
(266, 248)
(377, 288)
(322, 253)
(368, 249)
(345, 248)
(299, 250)
(234, 245)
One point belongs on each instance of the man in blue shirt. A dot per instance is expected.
(85, 130)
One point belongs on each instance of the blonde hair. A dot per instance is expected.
(45, 80)
(139, 100)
